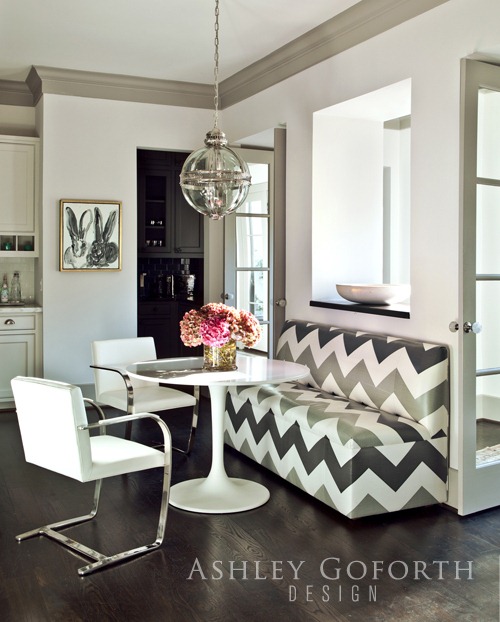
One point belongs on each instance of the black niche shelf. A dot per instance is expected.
(401, 310)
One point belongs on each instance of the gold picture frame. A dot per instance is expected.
(90, 235)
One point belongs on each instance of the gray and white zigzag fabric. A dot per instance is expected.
(367, 435)
(399, 376)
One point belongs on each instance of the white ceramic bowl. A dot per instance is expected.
(373, 294)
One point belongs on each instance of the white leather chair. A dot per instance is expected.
(115, 388)
(55, 435)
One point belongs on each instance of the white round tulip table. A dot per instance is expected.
(217, 493)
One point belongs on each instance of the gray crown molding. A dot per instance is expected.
(359, 23)
(58, 81)
(15, 93)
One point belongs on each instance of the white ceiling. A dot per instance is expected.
(165, 39)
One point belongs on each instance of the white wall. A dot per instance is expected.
(426, 50)
(89, 152)
(397, 146)
(347, 203)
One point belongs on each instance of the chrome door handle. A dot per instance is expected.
(468, 327)
(472, 327)
(281, 302)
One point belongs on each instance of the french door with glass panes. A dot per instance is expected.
(479, 430)
(248, 245)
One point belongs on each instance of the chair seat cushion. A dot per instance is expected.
(148, 399)
(115, 456)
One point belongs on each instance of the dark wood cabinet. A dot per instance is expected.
(170, 243)
(156, 319)
(167, 225)
(160, 320)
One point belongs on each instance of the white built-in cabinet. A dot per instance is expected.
(20, 346)
(20, 326)
(19, 187)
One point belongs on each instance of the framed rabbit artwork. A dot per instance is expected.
(91, 235)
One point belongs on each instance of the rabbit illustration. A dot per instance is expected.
(102, 251)
(76, 254)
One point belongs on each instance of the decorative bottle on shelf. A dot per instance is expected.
(169, 280)
(161, 283)
(4, 293)
(15, 288)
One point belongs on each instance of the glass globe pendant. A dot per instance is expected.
(214, 179)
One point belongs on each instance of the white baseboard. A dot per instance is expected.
(452, 488)
(488, 407)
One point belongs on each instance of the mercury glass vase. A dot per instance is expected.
(222, 358)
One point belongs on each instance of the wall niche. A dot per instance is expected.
(361, 191)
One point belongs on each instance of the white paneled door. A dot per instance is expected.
(254, 245)
(479, 464)
(247, 260)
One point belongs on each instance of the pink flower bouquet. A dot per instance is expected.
(215, 324)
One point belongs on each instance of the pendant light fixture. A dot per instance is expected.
(214, 179)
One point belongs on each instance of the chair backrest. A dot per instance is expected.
(49, 414)
(120, 352)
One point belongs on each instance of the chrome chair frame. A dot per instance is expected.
(103, 561)
(130, 405)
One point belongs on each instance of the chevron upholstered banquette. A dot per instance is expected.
(366, 433)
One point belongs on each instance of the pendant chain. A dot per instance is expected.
(216, 68)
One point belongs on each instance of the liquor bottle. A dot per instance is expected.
(15, 288)
(4, 294)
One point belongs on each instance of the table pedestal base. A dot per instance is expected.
(221, 496)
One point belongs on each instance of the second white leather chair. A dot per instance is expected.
(115, 388)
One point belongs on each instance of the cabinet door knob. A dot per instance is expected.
(9, 322)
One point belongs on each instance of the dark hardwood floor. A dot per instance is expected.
(487, 433)
(417, 565)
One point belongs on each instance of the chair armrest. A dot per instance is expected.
(102, 423)
(126, 380)
(99, 410)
